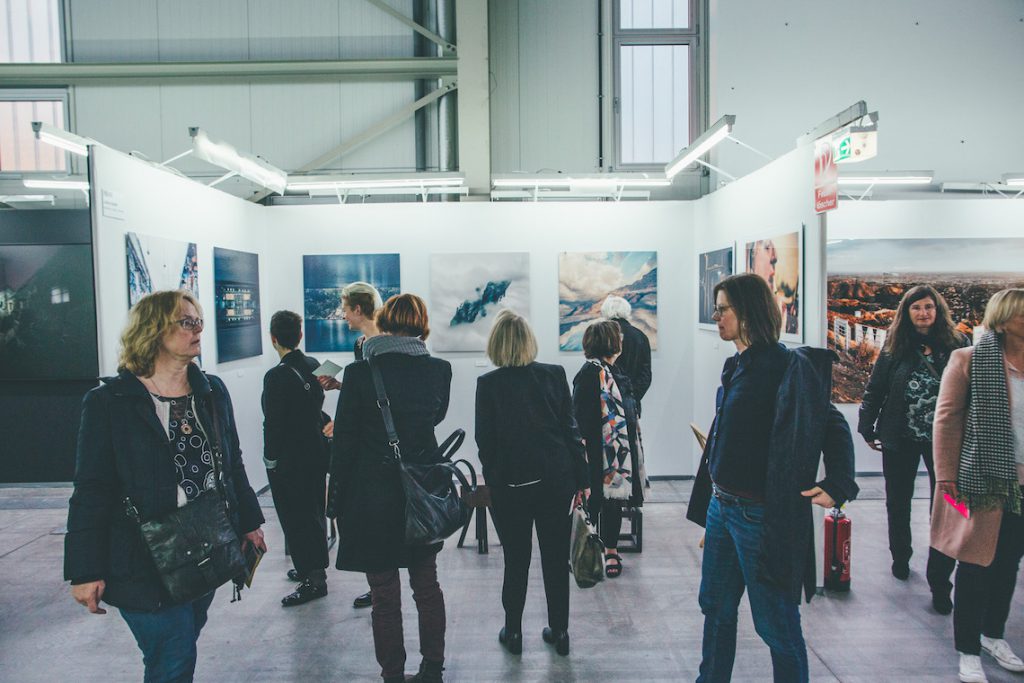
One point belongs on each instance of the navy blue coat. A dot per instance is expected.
(123, 450)
(806, 426)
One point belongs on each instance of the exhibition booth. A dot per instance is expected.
(551, 261)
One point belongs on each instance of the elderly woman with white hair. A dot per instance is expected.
(635, 360)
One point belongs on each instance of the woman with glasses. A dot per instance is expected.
(151, 433)
(756, 481)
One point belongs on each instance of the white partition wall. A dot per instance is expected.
(416, 231)
(143, 199)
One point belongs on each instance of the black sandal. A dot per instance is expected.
(613, 571)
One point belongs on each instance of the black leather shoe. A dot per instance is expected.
(304, 593)
(430, 672)
(293, 575)
(364, 600)
(512, 640)
(942, 603)
(560, 639)
(901, 570)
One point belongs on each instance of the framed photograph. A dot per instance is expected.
(778, 258)
(712, 267)
(236, 296)
(585, 279)
(323, 277)
(155, 264)
(867, 278)
(468, 290)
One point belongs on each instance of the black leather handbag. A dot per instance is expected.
(434, 510)
(195, 547)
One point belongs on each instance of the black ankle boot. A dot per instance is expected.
(560, 639)
(430, 672)
(512, 640)
(307, 591)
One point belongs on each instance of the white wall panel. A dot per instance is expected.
(200, 30)
(293, 30)
(223, 111)
(367, 32)
(503, 17)
(295, 123)
(125, 118)
(114, 30)
(364, 104)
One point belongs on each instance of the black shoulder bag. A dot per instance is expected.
(195, 548)
(433, 508)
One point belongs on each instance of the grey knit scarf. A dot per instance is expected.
(987, 477)
(387, 343)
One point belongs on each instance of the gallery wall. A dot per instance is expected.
(416, 231)
(132, 196)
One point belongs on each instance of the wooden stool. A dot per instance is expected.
(478, 501)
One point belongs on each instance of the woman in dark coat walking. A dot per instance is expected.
(151, 434)
(896, 416)
(366, 491)
(606, 414)
(534, 461)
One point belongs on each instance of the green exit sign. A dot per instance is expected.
(842, 147)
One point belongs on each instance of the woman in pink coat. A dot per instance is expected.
(979, 468)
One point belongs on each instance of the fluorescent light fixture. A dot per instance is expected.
(343, 183)
(47, 184)
(26, 198)
(580, 194)
(1014, 179)
(58, 137)
(592, 181)
(887, 178)
(701, 146)
(227, 157)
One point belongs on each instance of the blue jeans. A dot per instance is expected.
(167, 638)
(732, 548)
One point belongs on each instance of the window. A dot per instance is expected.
(59, 295)
(30, 31)
(20, 152)
(657, 67)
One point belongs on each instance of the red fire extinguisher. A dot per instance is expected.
(837, 551)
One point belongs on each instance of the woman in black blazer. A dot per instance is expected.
(366, 491)
(602, 344)
(534, 462)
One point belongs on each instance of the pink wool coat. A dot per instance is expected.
(968, 540)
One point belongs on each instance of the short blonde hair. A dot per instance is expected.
(1003, 307)
(404, 315)
(364, 295)
(148, 321)
(511, 342)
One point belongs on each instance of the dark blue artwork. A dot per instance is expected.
(323, 277)
(236, 295)
(469, 310)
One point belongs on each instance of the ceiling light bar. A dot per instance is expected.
(370, 191)
(888, 178)
(26, 198)
(594, 181)
(376, 182)
(227, 157)
(58, 137)
(1014, 179)
(48, 184)
(701, 146)
(535, 195)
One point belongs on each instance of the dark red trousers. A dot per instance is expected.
(386, 615)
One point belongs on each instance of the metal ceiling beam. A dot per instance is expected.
(446, 46)
(410, 68)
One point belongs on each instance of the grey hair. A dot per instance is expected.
(616, 307)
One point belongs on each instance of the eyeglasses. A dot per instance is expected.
(720, 310)
(191, 324)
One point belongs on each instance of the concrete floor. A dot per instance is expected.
(645, 626)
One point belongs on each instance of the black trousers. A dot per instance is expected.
(299, 498)
(984, 594)
(516, 511)
(899, 466)
(610, 524)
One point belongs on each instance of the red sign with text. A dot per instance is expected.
(826, 176)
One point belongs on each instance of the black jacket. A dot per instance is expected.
(806, 426)
(586, 400)
(365, 488)
(635, 360)
(883, 409)
(526, 429)
(123, 450)
(292, 415)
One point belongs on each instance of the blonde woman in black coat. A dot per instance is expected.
(534, 463)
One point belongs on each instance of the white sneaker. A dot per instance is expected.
(1002, 653)
(970, 669)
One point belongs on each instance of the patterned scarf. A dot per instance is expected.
(388, 343)
(987, 478)
(615, 435)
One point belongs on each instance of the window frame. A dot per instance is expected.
(41, 95)
(692, 38)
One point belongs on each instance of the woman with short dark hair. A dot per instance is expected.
(533, 462)
(158, 433)
(605, 411)
(896, 417)
(756, 481)
(366, 490)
